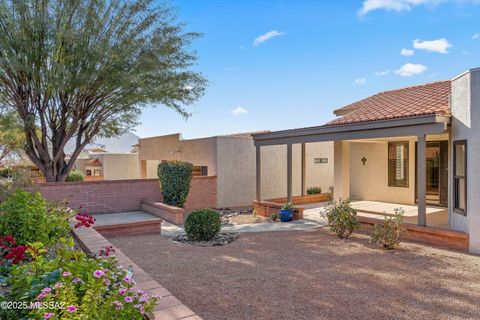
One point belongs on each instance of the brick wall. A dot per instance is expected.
(124, 195)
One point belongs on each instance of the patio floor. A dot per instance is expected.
(311, 275)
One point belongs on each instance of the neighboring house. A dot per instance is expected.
(231, 158)
(418, 145)
(99, 164)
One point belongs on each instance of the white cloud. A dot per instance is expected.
(382, 73)
(476, 36)
(407, 52)
(267, 36)
(360, 81)
(439, 45)
(239, 111)
(410, 69)
(390, 5)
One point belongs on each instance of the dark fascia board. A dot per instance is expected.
(409, 126)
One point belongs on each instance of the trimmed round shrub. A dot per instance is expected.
(175, 178)
(203, 225)
(75, 175)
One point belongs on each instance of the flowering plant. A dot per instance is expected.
(80, 287)
(84, 220)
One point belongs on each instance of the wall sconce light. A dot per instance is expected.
(364, 160)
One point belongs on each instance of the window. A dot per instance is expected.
(97, 173)
(200, 170)
(460, 176)
(88, 172)
(320, 160)
(398, 164)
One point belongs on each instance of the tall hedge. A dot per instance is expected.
(175, 178)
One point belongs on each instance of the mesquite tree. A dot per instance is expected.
(76, 69)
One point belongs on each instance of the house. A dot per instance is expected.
(231, 160)
(99, 164)
(415, 147)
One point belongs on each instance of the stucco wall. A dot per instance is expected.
(119, 166)
(465, 103)
(200, 152)
(274, 169)
(235, 171)
(370, 181)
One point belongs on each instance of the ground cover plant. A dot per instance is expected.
(40, 266)
(314, 190)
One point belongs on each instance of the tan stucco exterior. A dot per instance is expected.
(232, 160)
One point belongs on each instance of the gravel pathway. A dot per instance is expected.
(311, 275)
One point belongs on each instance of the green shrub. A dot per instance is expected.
(175, 178)
(273, 216)
(314, 190)
(341, 217)
(202, 225)
(75, 175)
(6, 173)
(389, 233)
(29, 218)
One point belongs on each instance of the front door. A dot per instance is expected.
(437, 172)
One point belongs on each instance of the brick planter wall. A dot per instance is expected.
(124, 195)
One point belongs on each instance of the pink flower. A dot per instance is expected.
(57, 285)
(142, 309)
(122, 291)
(98, 273)
(117, 304)
(42, 294)
(127, 279)
(128, 299)
(47, 315)
(143, 298)
(47, 290)
(67, 273)
(71, 308)
(76, 280)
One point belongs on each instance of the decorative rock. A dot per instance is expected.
(219, 240)
(228, 214)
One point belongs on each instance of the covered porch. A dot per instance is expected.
(343, 136)
(362, 171)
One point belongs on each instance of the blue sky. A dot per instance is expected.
(314, 56)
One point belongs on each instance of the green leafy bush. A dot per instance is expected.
(29, 218)
(203, 225)
(389, 233)
(75, 175)
(6, 172)
(86, 287)
(288, 206)
(314, 190)
(175, 178)
(341, 217)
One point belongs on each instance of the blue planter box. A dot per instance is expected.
(286, 215)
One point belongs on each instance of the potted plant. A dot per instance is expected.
(286, 213)
(273, 217)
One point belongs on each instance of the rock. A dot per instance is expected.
(219, 240)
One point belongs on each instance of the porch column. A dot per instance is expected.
(258, 168)
(304, 165)
(421, 181)
(341, 169)
(289, 172)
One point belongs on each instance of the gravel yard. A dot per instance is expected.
(311, 275)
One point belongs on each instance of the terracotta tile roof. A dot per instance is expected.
(426, 99)
(93, 162)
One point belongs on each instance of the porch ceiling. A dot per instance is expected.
(409, 126)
